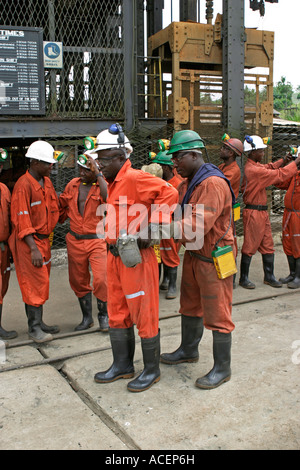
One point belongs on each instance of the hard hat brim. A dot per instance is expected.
(34, 157)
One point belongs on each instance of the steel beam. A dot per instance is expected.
(233, 37)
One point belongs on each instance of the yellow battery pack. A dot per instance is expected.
(236, 212)
(224, 261)
(157, 252)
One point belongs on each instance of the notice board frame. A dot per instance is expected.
(32, 34)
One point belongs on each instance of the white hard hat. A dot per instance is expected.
(41, 150)
(88, 153)
(113, 138)
(253, 142)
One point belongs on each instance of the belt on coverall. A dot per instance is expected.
(203, 258)
(88, 236)
(41, 236)
(257, 208)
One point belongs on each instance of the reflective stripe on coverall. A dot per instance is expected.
(257, 226)
(5, 198)
(202, 293)
(33, 210)
(133, 293)
(291, 217)
(84, 253)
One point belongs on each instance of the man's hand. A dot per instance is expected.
(36, 258)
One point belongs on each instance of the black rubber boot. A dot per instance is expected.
(3, 333)
(244, 272)
(292, 266)
(165, 282)
(123, 346)
(151, 373)
(172, 292)
(268, 264)
(47, 328)
(191, 334)
(295, 283)
(35, 332)
(102, 315)
(86, 308)
(221, 371)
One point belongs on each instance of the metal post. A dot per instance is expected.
(130, 67)
(188, 10)
(233, 35)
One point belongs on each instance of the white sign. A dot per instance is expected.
(53, 55)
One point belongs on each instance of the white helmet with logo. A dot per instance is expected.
(41, 150)
(253, 142)
(113, 138)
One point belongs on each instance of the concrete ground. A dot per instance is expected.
(49, 400)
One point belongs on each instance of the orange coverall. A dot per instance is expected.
(4, 234)
(84, 252)
(233, 173)
(257, 226)
(34, 210)
(133, 293)
(291, 216)
(202, 293)
(169, 248)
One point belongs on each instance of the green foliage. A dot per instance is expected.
(283, 93)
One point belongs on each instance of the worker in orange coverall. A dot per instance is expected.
(256, 222)
(34, 214)
(80, 202)
(291, 229)
(137, 204)
(205, 299)
(168, 248)
(4, 250)
(231, 149)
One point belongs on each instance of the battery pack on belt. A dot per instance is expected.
(257, 208)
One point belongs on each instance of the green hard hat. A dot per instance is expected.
(163, 159)
(185, 140)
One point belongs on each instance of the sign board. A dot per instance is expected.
(53, 55)
(22, 86)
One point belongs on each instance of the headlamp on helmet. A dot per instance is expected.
(89, 143)
(3, 155)
(163, 145)
(58, 155)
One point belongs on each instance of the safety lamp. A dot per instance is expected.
(58, 155)
(163, 144)
(152, 155)
(266, 140)
(3, 154)
(89, 143)
(225, 137)
(293, 149)
(82, 159)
